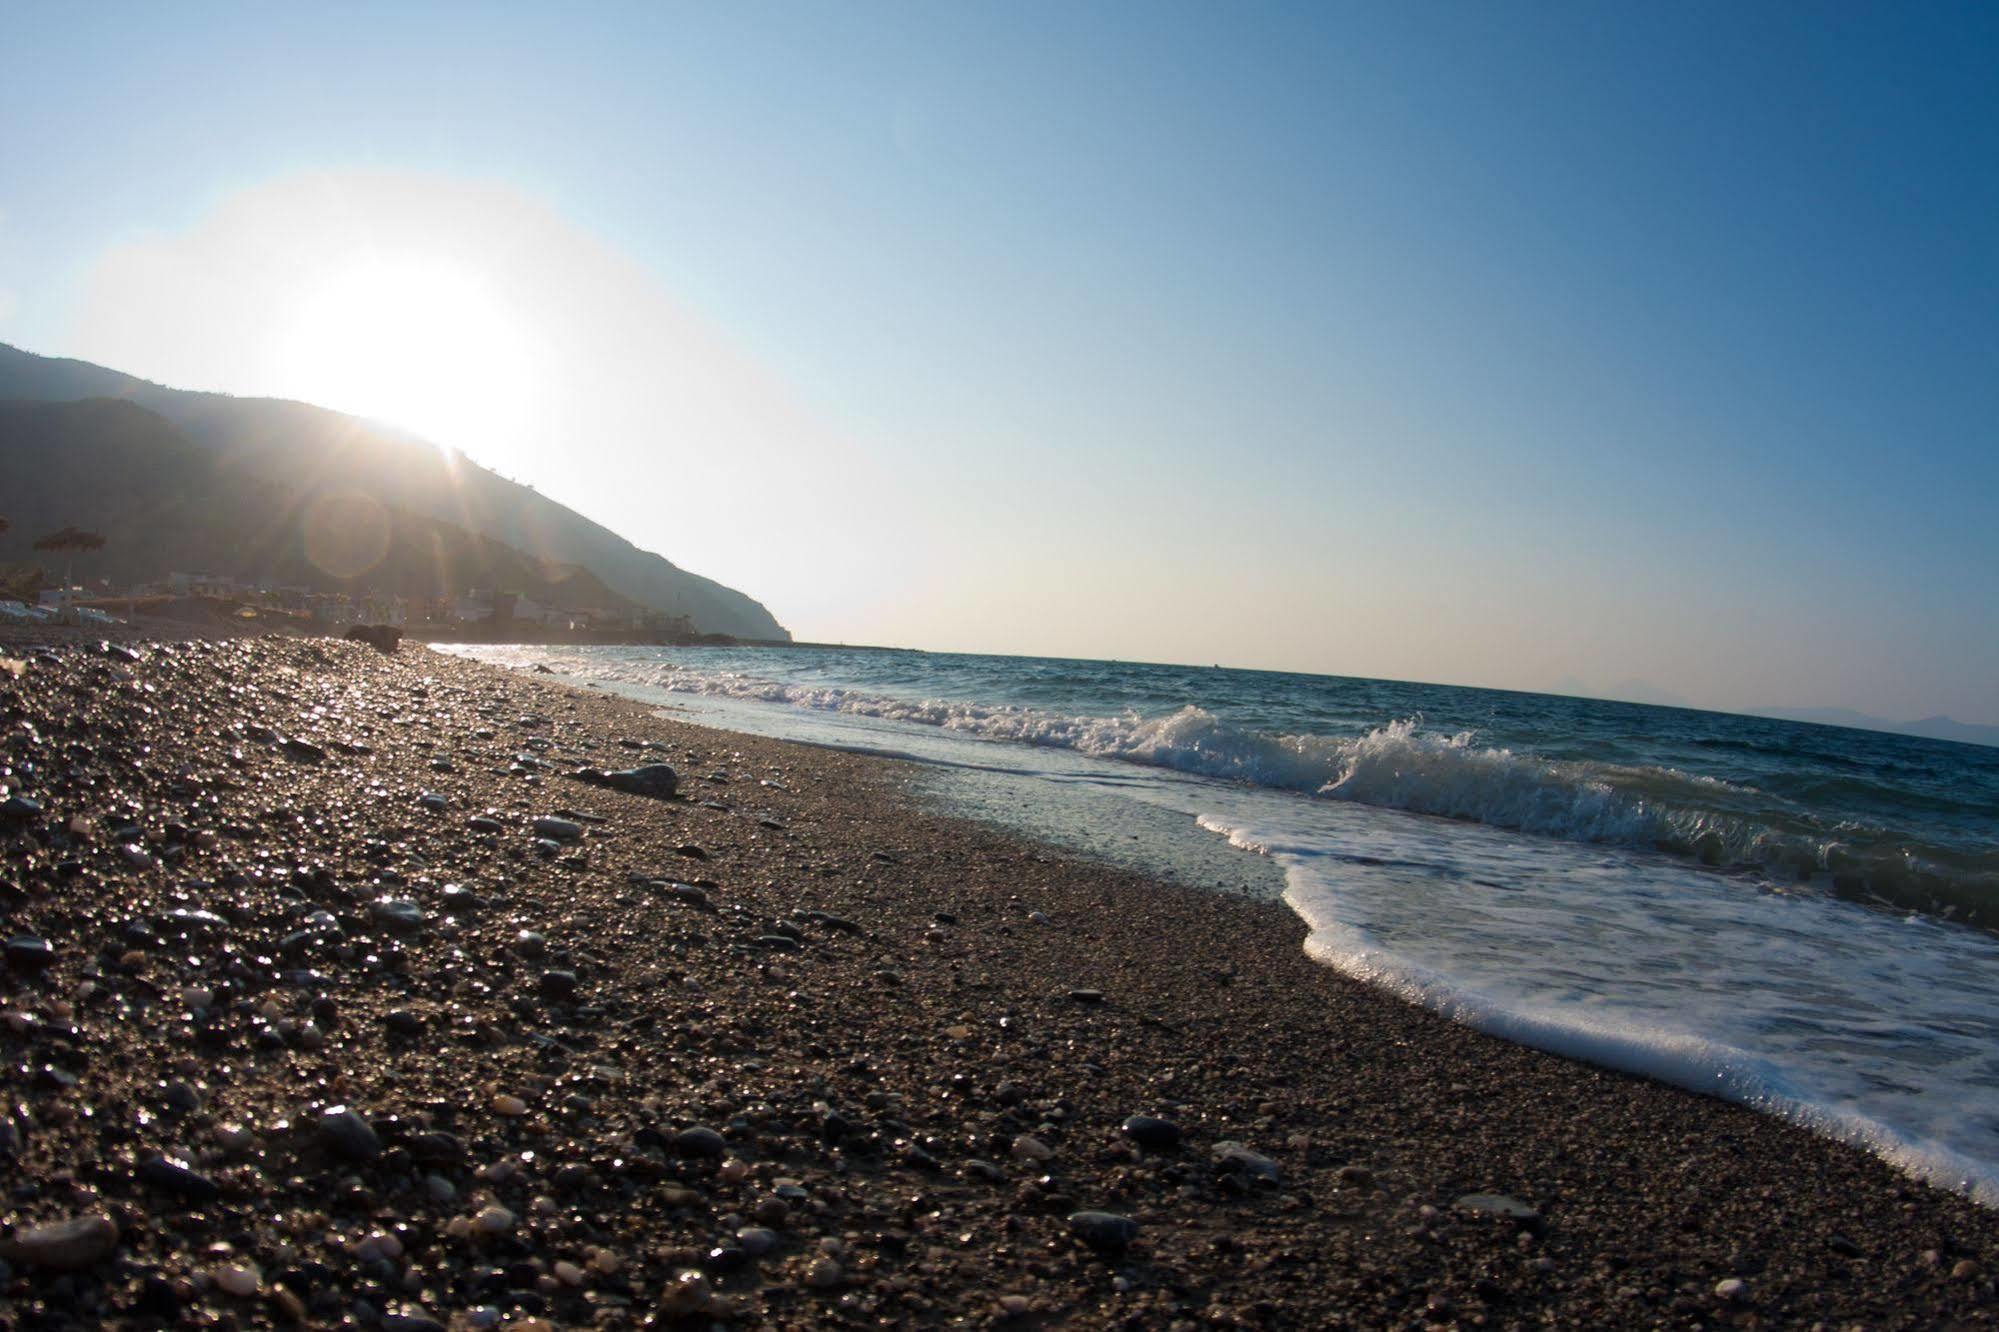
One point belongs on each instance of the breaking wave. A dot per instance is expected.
(1401, 765)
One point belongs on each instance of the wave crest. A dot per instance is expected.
(1402, 766)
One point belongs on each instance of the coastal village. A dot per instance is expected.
(489, 614)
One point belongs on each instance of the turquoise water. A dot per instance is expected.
(1801, 918)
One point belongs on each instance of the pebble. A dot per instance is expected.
(1234, 1158)
(687, 1293)
(398, 914)
(756, 1241)
(1735, 1290)
(1104, 1231)
(170, 1175)
(29, 954)
(239, 1279)
(561, 830)
(347, 1134)
(558, 984)
(65, 1246)
(1027, 1147)
(699, 1141)
(824, 1273)
(1153, 1134)
(656, 780)
(493, 1220)
(1500, 1205)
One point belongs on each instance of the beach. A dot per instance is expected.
(323, 1026)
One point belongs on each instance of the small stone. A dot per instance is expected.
(700, 1141)
(687, 1293)
(65, 1246)
(397, 914)
(1027, 1147)
(493, 1220)
(170, 1175)
(1499, 1205)
(1087, 996)
(1232, 1158)
(29, 954)
(1107, 1232)
(1157, 1135)
(239, 1279)
(823, 1274)
(411, 1322)
(347, 1134)
(656, 780)
(1734, 1290)
(756, 1241)
(1967, 1269)
(558, 984)
(561, 830)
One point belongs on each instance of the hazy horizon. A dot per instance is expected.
(1505, 347)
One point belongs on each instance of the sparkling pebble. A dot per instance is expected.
(687, 1293)
(493, 1220)
(510, 1106)
(239, 1279)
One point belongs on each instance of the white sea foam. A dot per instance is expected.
(1769, 1002)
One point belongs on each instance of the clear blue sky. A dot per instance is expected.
(1490, 343)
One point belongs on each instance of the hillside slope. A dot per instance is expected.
(165, 504)
(315, 451)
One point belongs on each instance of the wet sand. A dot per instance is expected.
(783, 1049)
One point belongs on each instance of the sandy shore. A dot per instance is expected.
(324, 1033)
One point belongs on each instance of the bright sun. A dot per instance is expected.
(420, 343)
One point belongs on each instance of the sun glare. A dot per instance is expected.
(418, 343)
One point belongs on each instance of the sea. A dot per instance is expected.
(1803, 919)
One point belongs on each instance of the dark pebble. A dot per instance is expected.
(29, 954)
(347, 1134)
(700, 1142)
(172, 1176)
(1106, 1232)
(1156, 1135)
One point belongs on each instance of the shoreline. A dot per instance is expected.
(939, 1097)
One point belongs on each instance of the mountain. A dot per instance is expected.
(165, 504)
(315, 452)
(1929, 728)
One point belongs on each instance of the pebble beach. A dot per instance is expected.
(347, 990)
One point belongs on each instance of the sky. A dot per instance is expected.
(1506, 344)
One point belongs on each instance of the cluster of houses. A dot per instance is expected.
(476, 609)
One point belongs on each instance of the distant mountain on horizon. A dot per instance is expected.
(1644, 691)
(1927, 728)
(312, 451)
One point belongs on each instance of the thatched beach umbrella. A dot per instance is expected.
(71, 539)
